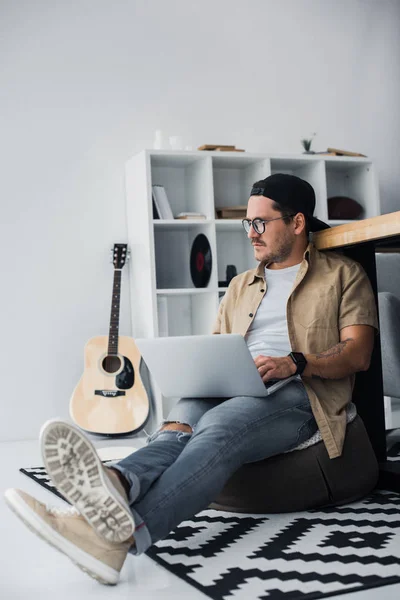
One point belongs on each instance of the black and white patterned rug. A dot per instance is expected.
(296, 556)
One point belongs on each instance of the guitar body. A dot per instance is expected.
(110, 398)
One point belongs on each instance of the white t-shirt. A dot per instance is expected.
(268, 334)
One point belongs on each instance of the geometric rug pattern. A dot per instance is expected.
(39, 475)
(295, 556)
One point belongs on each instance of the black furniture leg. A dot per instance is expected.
(368, 390)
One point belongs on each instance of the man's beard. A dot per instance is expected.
(282, 251)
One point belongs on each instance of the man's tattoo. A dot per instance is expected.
(336, 350)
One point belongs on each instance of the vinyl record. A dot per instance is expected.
(200, 261)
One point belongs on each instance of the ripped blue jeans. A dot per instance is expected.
(178, 474)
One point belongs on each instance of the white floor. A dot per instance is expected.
(29, 568)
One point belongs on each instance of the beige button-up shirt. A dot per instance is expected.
(330, 292)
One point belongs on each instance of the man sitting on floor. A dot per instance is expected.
(301, 311)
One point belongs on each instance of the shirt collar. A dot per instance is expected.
(259, 272)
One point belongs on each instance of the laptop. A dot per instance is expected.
(205, 366)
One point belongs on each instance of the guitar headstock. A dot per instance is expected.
(120, 254)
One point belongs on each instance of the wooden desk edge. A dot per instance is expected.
(383, 226)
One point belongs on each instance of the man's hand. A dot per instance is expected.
(275, 367)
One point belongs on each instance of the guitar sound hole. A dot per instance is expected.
(111, 364)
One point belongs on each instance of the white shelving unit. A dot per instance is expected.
(164, 299)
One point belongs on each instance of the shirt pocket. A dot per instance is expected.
(316, 309)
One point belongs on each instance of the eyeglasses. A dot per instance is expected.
(259, 224)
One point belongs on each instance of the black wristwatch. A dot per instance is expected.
(299, 360)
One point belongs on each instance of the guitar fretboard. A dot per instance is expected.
(114, 319)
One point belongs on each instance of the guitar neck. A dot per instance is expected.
(114, 318)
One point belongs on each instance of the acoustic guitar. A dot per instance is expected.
(110, 398)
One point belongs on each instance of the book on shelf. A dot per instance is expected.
(344, 152)
(161, 202)
(156, 214)
(231, 212)
(190, 215)
(337, 152)
(219, 148)
(214, 146)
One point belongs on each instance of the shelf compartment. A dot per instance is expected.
(229, 225)
(187, 180)
(186, 314)
(233, 248)
(233, 177)
(354, 179)
(172, 255)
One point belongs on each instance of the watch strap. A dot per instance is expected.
(299, 360)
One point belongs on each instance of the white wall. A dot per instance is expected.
(83, 86)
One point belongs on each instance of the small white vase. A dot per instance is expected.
(158, 140)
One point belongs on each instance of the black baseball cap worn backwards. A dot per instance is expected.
(291, 192)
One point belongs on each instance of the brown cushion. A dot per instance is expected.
(304, 479)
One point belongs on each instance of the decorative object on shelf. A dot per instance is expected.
(158, 143)
(231, 212)
(231, 272)
(342, 207)
(306, 143)
(336, 152)
(219, 148)
(200, 261)
(161, 202)
(110, 398)
(190, 215)
(176, 142)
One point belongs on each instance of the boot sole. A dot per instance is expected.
(87, 563)
(73, 465)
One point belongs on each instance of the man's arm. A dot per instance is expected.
(351, 354)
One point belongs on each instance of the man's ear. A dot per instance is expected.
(299, 221)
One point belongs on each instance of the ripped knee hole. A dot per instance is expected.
(177, 427)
